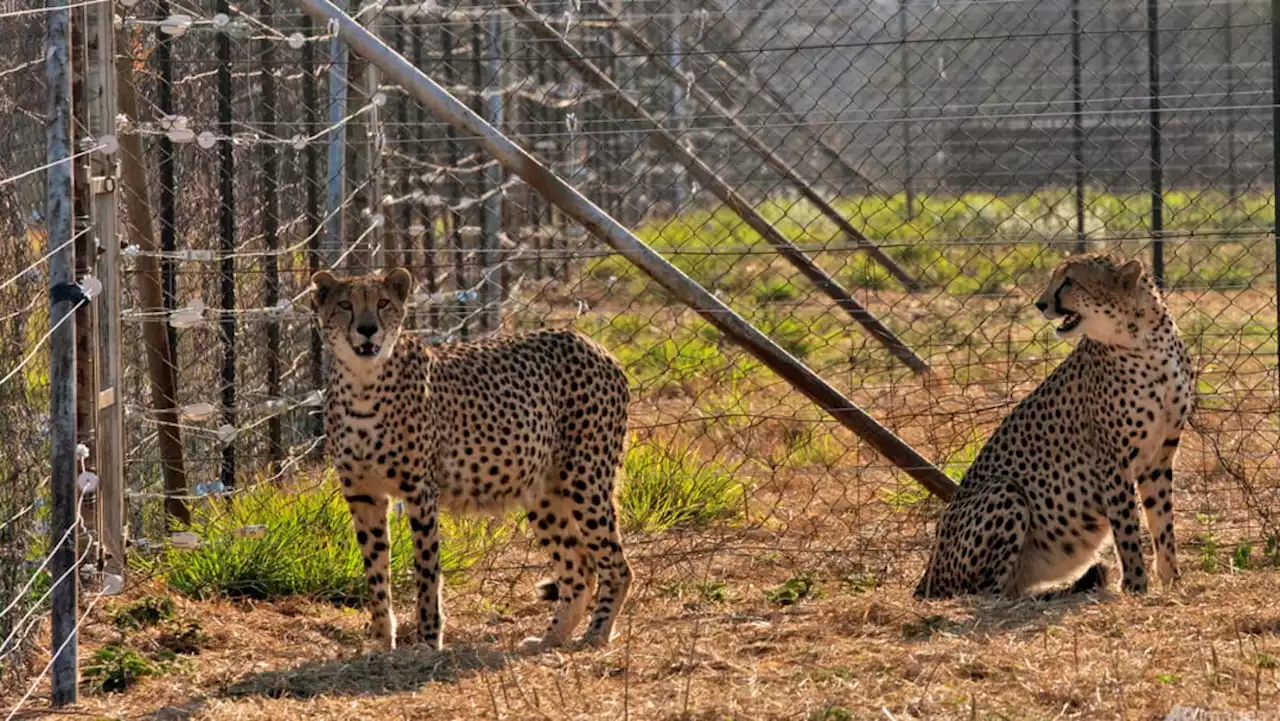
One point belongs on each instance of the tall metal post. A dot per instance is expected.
(227, 244)
(101, 84)
(1156, 142)
(168, 177)
(63, 297)
(1077, 124)
(904, 88)
(335, 184)
(675, 113)
(311, 172)
(491, 222)
(1229, 50)
(1275, 147)
(271, 230)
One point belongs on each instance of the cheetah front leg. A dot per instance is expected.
(1156, 487)
(424, 520)
(1122, 514)
(369, 517)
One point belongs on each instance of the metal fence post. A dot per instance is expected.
(1157, 143)
(335, 182)
(101, 82)
(491, 226)
(59, 214)
(1077, 124)
(271, 232)
(227, 245)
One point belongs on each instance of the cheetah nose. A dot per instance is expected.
(1042, 305)
(367, 330)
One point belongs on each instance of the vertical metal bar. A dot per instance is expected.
(59, 214)
(904, 86)
(271, 230)
(1275, 151)
(405, 171)
(491, 226)
(168, 178)
(595, 221)
(86, 253)
(425, 215)
(313, 181)
(102, 113)
(1157, 163)
(453, 191)
(675, 114)
(150, 290)
(335, 185)
(374, 138)
(1230, 51)
(1077, 124)
(227, 236)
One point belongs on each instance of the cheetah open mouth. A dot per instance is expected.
(367, 350)
(1069, 322)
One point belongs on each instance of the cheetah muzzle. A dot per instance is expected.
(536, 421)
(1063, 473)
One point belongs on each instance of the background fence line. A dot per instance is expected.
(918, 167)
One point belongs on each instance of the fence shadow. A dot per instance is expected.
(405, 669)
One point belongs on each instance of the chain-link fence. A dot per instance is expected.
(880, 187)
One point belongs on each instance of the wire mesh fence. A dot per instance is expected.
(880, 187)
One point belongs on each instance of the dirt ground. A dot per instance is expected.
(685, 653)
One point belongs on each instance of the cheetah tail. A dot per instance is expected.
(548, 590)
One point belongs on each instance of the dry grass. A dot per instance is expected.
(685, 653)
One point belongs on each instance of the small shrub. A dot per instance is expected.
(1242, 557)
(185, 638)
(774, 290)
(114, 668)
(143, 613)
(793, 591)
(668, 486)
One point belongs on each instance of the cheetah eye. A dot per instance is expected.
(345, 305)
(1066, 283)
(383, 303)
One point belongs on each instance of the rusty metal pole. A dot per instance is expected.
(625, 105)
(780, 166)
(155, 336)
(599, 223)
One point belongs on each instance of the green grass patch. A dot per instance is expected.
(271, 542)
(114, 668)
(793, 591)
(143, 613)
(672, 485)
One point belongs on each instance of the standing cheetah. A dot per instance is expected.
(536, 420)
(1059, 474)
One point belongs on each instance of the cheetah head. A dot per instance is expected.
(361, 317)
(1101, 297)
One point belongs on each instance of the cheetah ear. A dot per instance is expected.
(322, 285)
(1130, 274)
(400, 283)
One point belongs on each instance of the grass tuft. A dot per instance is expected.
(669, 486)
(308, 547)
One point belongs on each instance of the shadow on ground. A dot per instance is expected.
(405, 669)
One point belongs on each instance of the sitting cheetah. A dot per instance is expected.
(1059, 474)
(536, 420)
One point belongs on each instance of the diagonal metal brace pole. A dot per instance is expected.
(742, 72)
(596, 221)
(780, 166)
(626, 106)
